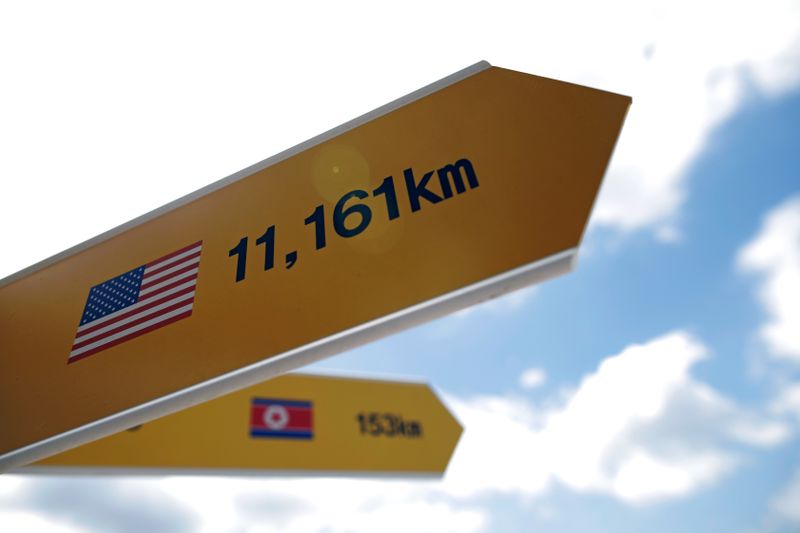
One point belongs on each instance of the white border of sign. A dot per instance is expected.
(252, 169)
(538, 271)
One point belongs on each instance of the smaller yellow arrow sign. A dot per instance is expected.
(296, 423)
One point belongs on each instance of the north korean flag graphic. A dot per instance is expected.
(281, 419)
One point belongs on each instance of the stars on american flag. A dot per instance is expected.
(113, 295)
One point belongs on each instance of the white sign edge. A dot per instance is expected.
(45, 470)
(536, 272)
(252, 169)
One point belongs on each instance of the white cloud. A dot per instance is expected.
(500, 450)
(750, 430)
(532, 378)
(786, 504)
(10, 484)
(642, 476)
(639, 428)
(774, 253)
(335, 505)
(111, 504)
(787, 400)
(690, 79)
(20, 521)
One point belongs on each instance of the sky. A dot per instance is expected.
(655, 388)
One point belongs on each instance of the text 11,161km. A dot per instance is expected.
(351, 217)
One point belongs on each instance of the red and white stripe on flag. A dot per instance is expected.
(140, 301)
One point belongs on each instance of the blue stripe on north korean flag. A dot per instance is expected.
(281, 418)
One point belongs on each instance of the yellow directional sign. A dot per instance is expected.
(294, 423)
(471, 187)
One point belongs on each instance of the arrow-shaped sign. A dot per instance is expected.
(466, 189)
(295, 423)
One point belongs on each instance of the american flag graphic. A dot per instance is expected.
(137, 302)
